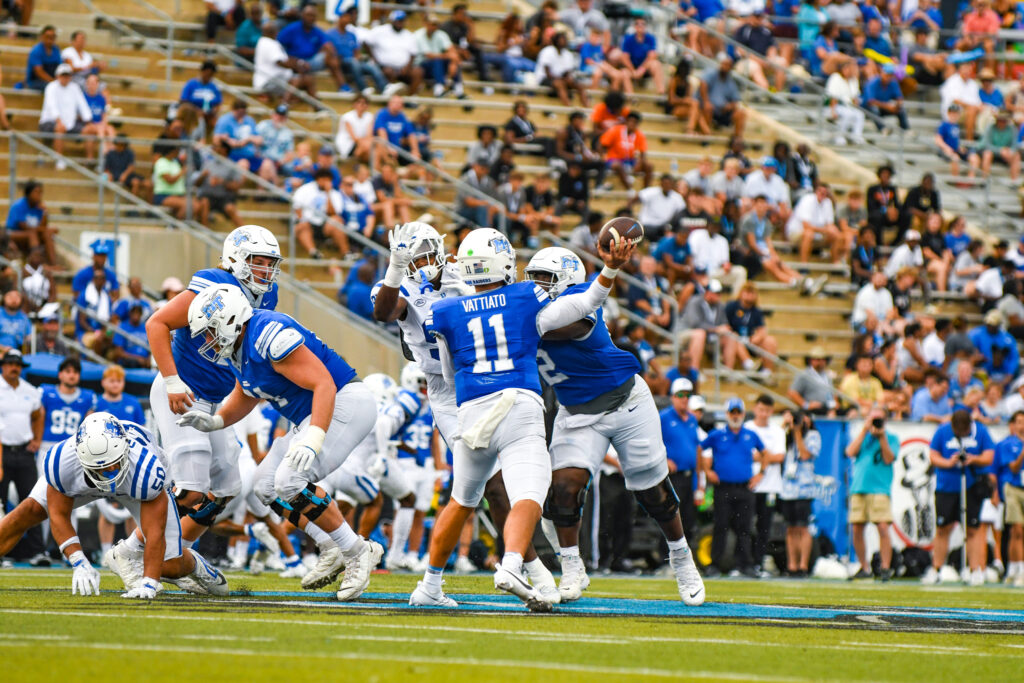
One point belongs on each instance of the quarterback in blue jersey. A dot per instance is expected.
(487, 343)
(273, 357)
(65, 405)
(603, 400)
(202, 465)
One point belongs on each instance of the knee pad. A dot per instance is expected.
(311, 505)
(659, 502)
(561, 512)
(285, 510)
(207, 513)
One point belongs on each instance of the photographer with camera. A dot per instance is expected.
(961, 450)
(874, 449)
(803, 444)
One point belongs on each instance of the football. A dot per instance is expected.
(622, 227)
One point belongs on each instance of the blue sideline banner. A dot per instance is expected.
(832, 483)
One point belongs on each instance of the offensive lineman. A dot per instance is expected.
(602, 399)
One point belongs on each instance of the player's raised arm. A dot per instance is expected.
(387, 305)
(569, 309)
(158, 331)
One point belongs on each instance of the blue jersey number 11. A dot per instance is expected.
(502, 363)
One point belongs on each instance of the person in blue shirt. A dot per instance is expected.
(357, 294)
(113, 400)
(15, 327)
(392, 125)
(347, 46)
(735, 471)
(882, 97)
(94, 300)
(97, 102)
(961, 452)
(947, 139)
(931, 403)
(135, 297)
(681, 434)
(875, 39)
(249, 31)
(100, 250)
(684, 368)
(203, 94)
(273, 357)
(129, 352)
(673, 252)
(43, 60)
(1008, 465)
(989, 94)
(304, 40)
(1002, 360)
(237, 130)
(28, 222)
(65, 404)
(640, 55)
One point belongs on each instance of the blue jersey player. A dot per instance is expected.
(65, 404)
(487, 344)
(273, 357)
(202, 468)
(603, 400)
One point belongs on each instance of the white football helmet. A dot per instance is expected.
(219, 312)
(240, 246)
(101, 443)
(381, 386)
(486, 256)
(426, 242)
(413, 379)
(555, 269)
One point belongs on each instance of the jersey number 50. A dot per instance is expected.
(480, 343)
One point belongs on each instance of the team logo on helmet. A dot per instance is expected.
(239, 237)
(570, 263)
(213, 305)
(501, 245)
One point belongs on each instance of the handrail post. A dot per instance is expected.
(716, 349)
(170, 53)
(12, 189)
(291, 241)
(189, 188)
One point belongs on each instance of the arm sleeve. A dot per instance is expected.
(387, 424)
(447, 368)
(568, 309)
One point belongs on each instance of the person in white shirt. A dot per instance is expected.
(395, 50)
(933, 348)
(273, 69)
(768, 489)
(988, 288)
(907, 254)
(873, 308)
(659, 207)
(21, 433)
(744, 8)
(439, 58)
(355, 131)
(65, 112)
(556, 67)
(843, 92)
(80, 61)
(711, 254)
(767, 182)
(814, 218)
(961, 88)
(727, 185)
(317, 206)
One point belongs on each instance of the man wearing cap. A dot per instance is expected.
(100, 250)
(65, 112)
(873, 450)
(305, 41)
(907, 254)
(767, 183)
(720, 95)
(882, 97)
(394, 49)
(812, 388)
(15, 327)
(203, 94)
(735, 455)
(21, 432)
(681, 434)
(997, 348)
(961, 89)
(999, 143)
(278, 138)
(703, 321)
(47, 334)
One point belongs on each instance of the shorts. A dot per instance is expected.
(277, 86)
(199, 461)
(947, 506)
(517, 444)
(219, 203)
(158, 199)
(962, 155)
(51, 127)
(634, 429)
(1014, 506)
(355, 413)
(318, 62)
(722, 117)
(626, 164)
(422, 479)
(875, 508)
(796, 512)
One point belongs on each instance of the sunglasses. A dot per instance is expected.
(682, 394)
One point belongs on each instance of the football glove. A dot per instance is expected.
(400, 241)
(85, 580)
(303, 450)
(204, 422)
(145, 590)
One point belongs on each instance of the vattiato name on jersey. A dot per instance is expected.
(146, 478)
(582, 369)
(492, 338)
(208, 381)
(270, 337)
(64, 412)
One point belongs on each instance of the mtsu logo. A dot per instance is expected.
(570, 263)
(213, 305)
(500, 245)
(112, 429)
(239, 237)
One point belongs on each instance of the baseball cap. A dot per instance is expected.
(173, 284)
(64, 70)
(101, 247)
(70, 363)
(987, 74)
(769, 162)
(994, 317)
(817, 353)
(327, 151)
(49, 312)
(889, 69)
(735, 404)
(281, 109)
(681, 384)
(715, 287)
(397, 15)
(13, 356)
(913, 236)
(697, 402)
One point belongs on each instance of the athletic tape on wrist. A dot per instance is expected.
(70, 541)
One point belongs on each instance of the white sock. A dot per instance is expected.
(344, 537)
(536, 570)
(104, 547)
(292, 561)
(432, 577)
(134, 544)
(512, 562)
(319, 536)
(400, 531)
(570, 553)
(679, 545)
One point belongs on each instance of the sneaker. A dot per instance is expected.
(459, 91)
(885, 575)
(275, 563)
(861, 574)
(402, 562)
(977, 578)
(463, 565)
(424, 597)
(261, 532)
(574, 579)
(691, 586)
(316, 255)
(751, 572)
(40, 560)
(544, 582)
(61, 165)
(439, 89)
(518, 586)
(367, 91)
(327, 568)
(360, 561)
(296, 571)
(488, 90)
(931, 577)
(125, 564)
(207, 577)
(393, 89)
(258, 562)
(817, 285)
(345, 88)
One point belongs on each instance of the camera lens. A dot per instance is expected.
(878, 422)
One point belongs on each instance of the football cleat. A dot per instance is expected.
(125, 564)
(403, 562)
(261, 533)
(931, 577)
(208, 578)
(294, 569)
(327, 568)
(423, 597)
(359, 564)
(691, 586)
(518, 586)
(463, 565)
(574, 580)
(542, 580)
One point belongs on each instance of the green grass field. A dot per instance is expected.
(46, 634)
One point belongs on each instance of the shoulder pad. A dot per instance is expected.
(283, 343)
(409, 401)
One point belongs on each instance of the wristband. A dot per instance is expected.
(150, 583)
(70, 541)
(174, 385)
(393, 276)
(77, 559)
(609, 273)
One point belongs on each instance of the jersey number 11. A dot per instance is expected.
(502, 363)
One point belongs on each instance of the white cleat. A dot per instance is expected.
(463, 565)
(931, 577)
(1018, 581)
(977, 578)
(275, 563)
(208, 578)
(261, 533)
(327, 568)
(423, 597)
(518, 586)
(258, 562)
(544, 582)
(574, 580)
(125, 564)
(403, 562)
(296, 571)
(359, 564)
(691, 586)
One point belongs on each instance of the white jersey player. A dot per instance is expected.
(118, 461)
